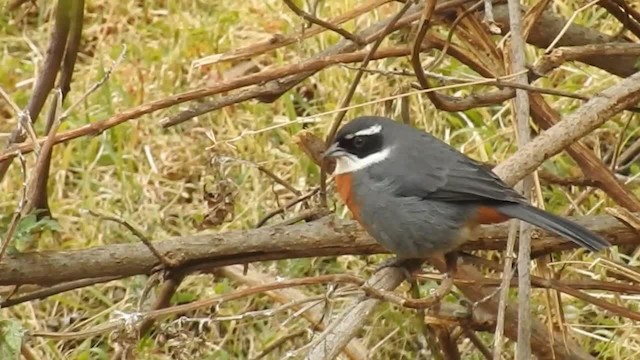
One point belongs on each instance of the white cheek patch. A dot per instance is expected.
(350, 163)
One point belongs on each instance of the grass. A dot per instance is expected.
(156, 178)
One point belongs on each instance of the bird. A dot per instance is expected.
(419, 197)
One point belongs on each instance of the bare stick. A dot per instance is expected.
(278, 40)
(10, 101)
(621, 10)
(355, 350)
(504, 292)
(324, 237)
(549, 25)
(589, 163)
(56, 289)
(518, 64)
(286, 206)
(17, 213)
(417, 43)
(180, 309)
(488, 19)
(325, 24)
(37, 193)
(344, 328)
(588, 117)
(568, 23)
(48, 72)
(563, 54)
(169, 287)
(166, 262)
(99, 126)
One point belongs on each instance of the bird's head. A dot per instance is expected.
(362, 142)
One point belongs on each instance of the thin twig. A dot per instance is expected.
(56, 289)
(325, 24)
(180, 309)
(279, 342)
(107, 74)
(417, 43)
(518, 64)
(452, 28)
(265, 171)
(5, 96)
(37, 190)
(47, 75)
(166, 262)
(568, 24)
(477, 342)
(354, 350)
(278, 40)
(479, 98)
(18, 213)
(28, 353)
(504, 291)
(286, 206)
(168, 289)
(427, 331)
(627, 16)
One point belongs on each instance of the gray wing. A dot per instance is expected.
(431, 169)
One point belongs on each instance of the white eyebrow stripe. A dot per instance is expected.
(375, 129)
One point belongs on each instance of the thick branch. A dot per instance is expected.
(325, 237)
(587, 118)
(550, 25)
(593, 168)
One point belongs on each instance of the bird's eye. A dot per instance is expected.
(358, 142)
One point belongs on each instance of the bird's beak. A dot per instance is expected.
(333, 151)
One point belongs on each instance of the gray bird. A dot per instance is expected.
(419, 197)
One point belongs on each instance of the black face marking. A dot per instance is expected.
(361, 145)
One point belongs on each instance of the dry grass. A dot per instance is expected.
(155, 178)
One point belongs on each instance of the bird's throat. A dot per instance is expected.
(344, 183)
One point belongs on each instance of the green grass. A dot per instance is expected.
(155, 178)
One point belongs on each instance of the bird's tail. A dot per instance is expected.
(561, 226)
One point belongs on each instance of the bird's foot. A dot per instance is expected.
(433, 300)
(407, 266)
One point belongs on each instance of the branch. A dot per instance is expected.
(279, 40)
(622, 14)
(48, 72)
(354, 349)
(593, 168)
(223, 86)
(521, 110)
(325, 24)
(581, 53)
(325, 237)
(550, 25)
(587, 118)
(76, 17)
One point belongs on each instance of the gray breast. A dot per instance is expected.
(410, 227)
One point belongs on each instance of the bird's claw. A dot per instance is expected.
(407, 266)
